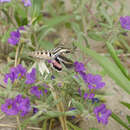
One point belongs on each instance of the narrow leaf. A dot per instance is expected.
(126, 104)
(116, 118)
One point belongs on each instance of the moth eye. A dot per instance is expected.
(38, 53)
(45, 52)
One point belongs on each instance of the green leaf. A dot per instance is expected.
(44, 127)
(46, 45)
(126, 104)
(105, 15)
(116, 59)
(116, 118)
(36, 8)
(78, 105)
(95, 36)
(93, 129)
(73, 126)
(128, 118)
(57, 20)
(112, 69)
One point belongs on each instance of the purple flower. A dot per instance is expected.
(21, 28)
(14, 106)
(102, 114)
(84, 76)
(15, 72)
(35, 110)
(79, 66)
(21, 70)
(89, 96)
(35, 91)
(94, 81)
(52, 77)
(71, 109)
(45, 86)
(4, 1)
(95, 100)
(10, 107)
(49, 61)
(23, 104)
(27, 2)
(31, 77)
(125, 22)
(14, 37)
(10, 76)
(85, 96)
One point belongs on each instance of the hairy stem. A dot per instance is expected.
(16, 56)
(60, 108)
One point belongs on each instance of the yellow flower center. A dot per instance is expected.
(10, 106)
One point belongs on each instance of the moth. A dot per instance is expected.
(56, 56)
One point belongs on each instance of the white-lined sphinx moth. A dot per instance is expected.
(57, 57)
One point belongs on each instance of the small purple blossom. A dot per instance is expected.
(125, 22)
(89, 96)
(10, 76)
(52, 77)
(94, 81)
(31, 77)
(79, 66)
(71, 109)
(49, 61)
(14, 37)
(45, 86)
(95, 100)
(15, 72)
(21, 28)
(35, 91)
(85, 96)
(102, 114)
(27, 2)
(23, 104)
(1, 1)
(10, 107)
(35, 110)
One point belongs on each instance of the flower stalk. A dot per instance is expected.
(60, 108)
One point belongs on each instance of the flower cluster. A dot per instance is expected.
(93, 81)
(125, 22)
(15, 72)
(15, 36)
(18, 72)
(17, 105)
(102, 114)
